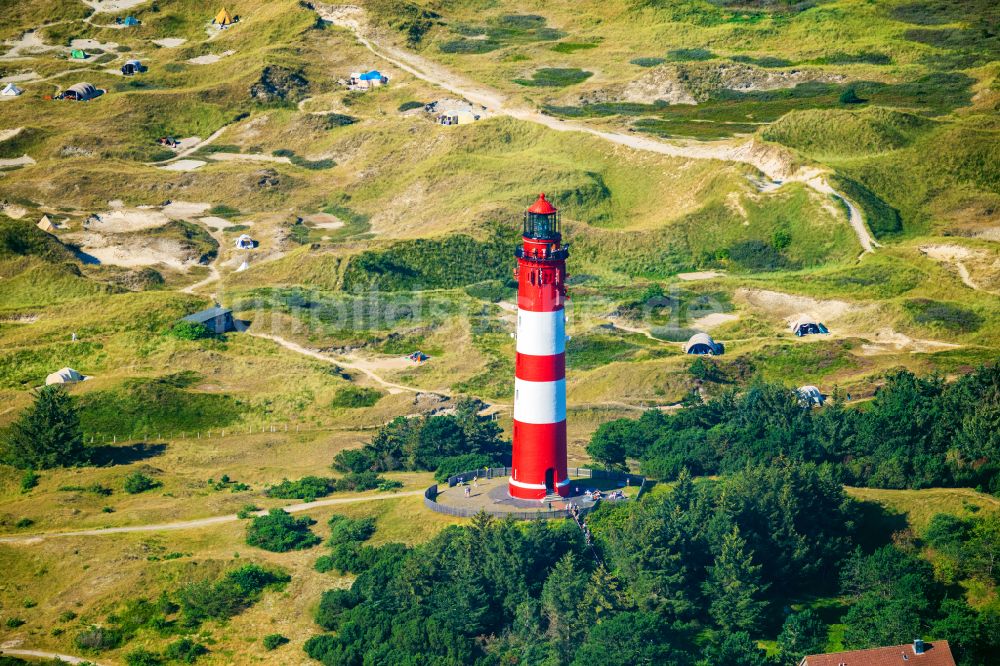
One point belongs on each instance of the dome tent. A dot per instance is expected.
(806, 325)
(810, 395)
(702, 343)
(81, 92)
(64, 376)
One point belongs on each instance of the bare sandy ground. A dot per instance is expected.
(13, 211)
(170, 42)
(9, 133)
(184, 210)
(21, 78)
(699, 275)
(12, 162)
(29, 44)
(961, 258)
(134, 254)
(126, 220)
(249, 157)
(323, 221)
(210, 58)
(792, 306)
(713, 320)
(41, 654)
(184, 165)
(93, 44)
(215, 222)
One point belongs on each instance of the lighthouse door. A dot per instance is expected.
(550, 480)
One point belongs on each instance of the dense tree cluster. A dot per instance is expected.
(425, 443)
(917, 432)
(712, 559)
(47, 434)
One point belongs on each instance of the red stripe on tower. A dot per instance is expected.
(539, 457)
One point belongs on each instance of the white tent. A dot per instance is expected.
(244, 242)
(810, 395)
(64, 376)
(243, 267)
(10, 90)
(45, 224)
(702, 343)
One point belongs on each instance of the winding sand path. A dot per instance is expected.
(768, 160)
(68, 658)
(200, 522)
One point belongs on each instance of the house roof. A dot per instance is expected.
(935, 654)
(207, 315)
(542, 206)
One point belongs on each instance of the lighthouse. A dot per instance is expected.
(539, 455)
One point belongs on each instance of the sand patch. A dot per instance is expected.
(699, 275)
(9, 133)
(713, 320)
(28, 45)
(125, 220)
(183, 165)
(888, 341)
(792, 306)
(967, 261)
(184, 210)
(210, 58)
(13, 211)
(249, 157)
(323, 221)
(138, 251)
(216, 223)
(21, 78)
(93, 44)
(169, 42)
(14, 162)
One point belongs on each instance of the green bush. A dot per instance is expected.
(98, 639)
(648, 62)
(455, 464)
(555, 77)
(681, 55)
(14, 622)
(185, 651)
(572, 47)
(308, 488)
(29, 480)
(279, 532)
(237, 590)
(757, 255)
(344, 529)
(143, 657)
(224, 210)
(332, 605)
(24, 522)
(274, 641)
(412, 104)
(137, 482)
(470, 46)
(189, 330)
(353, 397)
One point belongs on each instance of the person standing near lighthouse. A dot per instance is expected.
(539, 452)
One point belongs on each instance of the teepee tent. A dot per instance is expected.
(223, 18)
(10, 90)
(64, 376)
(45, 224)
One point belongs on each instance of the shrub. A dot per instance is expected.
(353, 397)
(307, 488)
(97, 639)
(224, 210)
(67, 616)
(279, 532)
(756, 255)
(647, 62)
(46, 434)
(690, 54)
(185, 650)
(332, 606)
(412, 104)
(29, 480)
(359, 481)
(143, 657)
(850, 96)
(247, 511)
(572, 47)
(14, 622)
(137, 482)
(470, 46)
(24, 522)
(189, 330)
(237, 590)
(555, 77)
(274, 641)
(344, 529)
(463, 463)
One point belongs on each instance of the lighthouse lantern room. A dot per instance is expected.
(539, 455)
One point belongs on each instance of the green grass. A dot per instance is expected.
(572, 47)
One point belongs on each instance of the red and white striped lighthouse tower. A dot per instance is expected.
(539, 457)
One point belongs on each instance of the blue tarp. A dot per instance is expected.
(373, 75)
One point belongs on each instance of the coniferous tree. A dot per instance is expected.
(561, 595)
(47, 434)
(803, 633)
(734, 587)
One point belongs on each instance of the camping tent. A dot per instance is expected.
(78, 54)
(45, 224)
(702, 343)
(372, 78)
(10, 90)
(130, 21)
(81, 92)
(64, 376)
(810, 395)
(244, 242)
(223, 18)
(131, 67)
(807, 326)
(243, 267)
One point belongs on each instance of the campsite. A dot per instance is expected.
(271, 254)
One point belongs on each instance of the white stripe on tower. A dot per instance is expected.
(541, 333)
(539, 402)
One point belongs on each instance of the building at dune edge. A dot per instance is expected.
(539, 430)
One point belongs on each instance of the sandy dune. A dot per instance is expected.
(9, 133)
(323, 221)
(699, 275)
(12, 162)
(184, 210)
(713, 320)
(126, 220)
(210, 58)
(215, 222)
(21, 78)
(93, 44)
(249, 157)
(112, 6)
(792, 306)
(29, 44)
(183, 165)
(169, 42)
